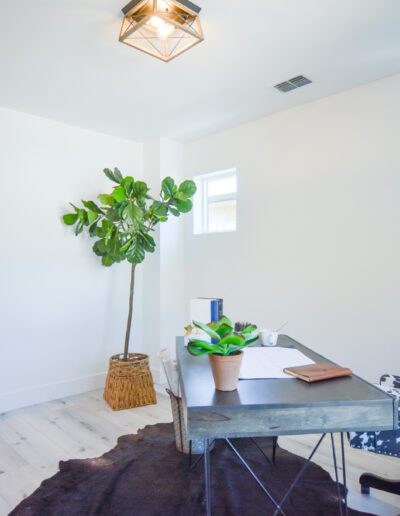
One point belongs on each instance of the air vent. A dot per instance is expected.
(292, 84)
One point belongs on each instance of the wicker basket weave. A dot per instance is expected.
(183, 444)
(129, 382)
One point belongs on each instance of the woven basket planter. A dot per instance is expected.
(129, 382)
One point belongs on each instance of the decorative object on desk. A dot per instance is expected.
(240, 326)
(122, 224)
(145, 475)
(317, 372)
(268, 337)
(225, 353)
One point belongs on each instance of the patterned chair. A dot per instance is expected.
(385, 442)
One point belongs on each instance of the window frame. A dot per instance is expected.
(201, 218)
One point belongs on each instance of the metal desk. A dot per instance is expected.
(273, 407)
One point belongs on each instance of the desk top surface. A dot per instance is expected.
(199, 392)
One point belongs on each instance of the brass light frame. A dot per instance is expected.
(162, 28)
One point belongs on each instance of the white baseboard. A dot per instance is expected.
(48, 392)
(54, 391)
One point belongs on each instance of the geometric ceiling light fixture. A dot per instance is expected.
(161, 28)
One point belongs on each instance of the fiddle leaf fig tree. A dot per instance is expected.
(122, 222)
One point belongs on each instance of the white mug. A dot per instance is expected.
(268, 337)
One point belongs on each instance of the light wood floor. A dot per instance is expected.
(33, 440)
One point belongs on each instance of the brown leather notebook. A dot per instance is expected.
(317, 372)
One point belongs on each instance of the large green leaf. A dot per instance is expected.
(188, 188)
(168, 186)
(133, 213)
(92, 216)
(135, 253)
(213, 334)
(90, 205)
(140, 189)
(119, 194)
(180, 196)
(70, 218)
(99, 247)
(113, 215)
(232, 339)
(106, 199)
(248, 329)
(117, 175)
(184, 206)
(110, 175)
(200, 347)
(147, 242)
(160, 209)
(174, 211)
(127, 182)
(107, 260)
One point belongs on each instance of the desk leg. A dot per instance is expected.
(207, 475)
(336, 476)
(344, 474)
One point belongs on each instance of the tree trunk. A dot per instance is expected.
(129, 322)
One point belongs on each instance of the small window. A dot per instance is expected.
(215, 202)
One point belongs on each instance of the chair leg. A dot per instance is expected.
(368, 480)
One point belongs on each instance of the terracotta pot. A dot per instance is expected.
(226, 370)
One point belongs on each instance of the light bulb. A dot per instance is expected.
(163, 29)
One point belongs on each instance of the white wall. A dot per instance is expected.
(62, 313)
(317, 240)
(163, 296)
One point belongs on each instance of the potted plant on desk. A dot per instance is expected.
(224, 351)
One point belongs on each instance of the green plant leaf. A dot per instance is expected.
(200, 347)
(168, 186)
(184, 206)
(160, 209)
(188, 188)
(127, 182)
(106, 199)
(92, 216)
(117, 175)
(133, 213)
(135, 253)
(70, 218)
(180, 196)
(249, 339)
(112, 215)
(140, 189)
(148, 242)
(232, 339)
(90, 205)
(99, 248)
(248, 329)
(213, 334)
(79, 228)
(107, 260)
(174, 211)
(119, 194)
(110, 175)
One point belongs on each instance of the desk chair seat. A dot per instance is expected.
(385, 442)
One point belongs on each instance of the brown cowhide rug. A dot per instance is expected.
(144, 475)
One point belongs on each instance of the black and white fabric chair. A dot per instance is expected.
(384, 442)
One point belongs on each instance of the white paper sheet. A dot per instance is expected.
(269, 362)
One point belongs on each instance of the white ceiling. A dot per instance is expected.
(62, 60)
